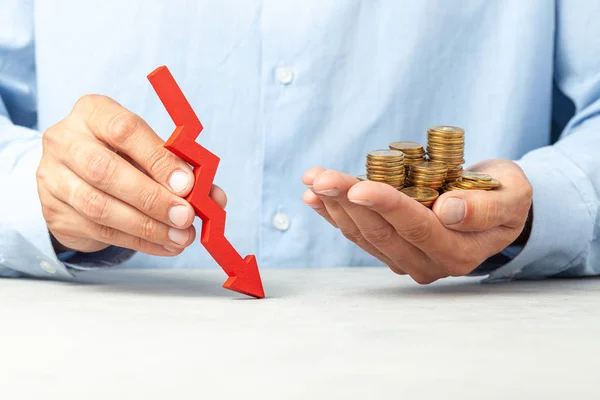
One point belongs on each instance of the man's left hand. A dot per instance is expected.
(464, 228)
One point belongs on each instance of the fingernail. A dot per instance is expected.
(179, 181)
(315, 206)
(171, 249)
(453, 211)
(178, 215)
(362, 202)
(179, 236)
(329, 192)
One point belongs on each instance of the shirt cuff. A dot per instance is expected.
(25, 243)
(108, 257)
(562, 223)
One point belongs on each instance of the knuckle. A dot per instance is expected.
(379, 236)
(107, 234)
(122, 127)
(94, 205)
(395, 268)
(160, 162)
(100, 168)
(149, 200)
(353, 235)
(418, 232)
(49, 213)
(40, 174)
(48, 138)
(87, 103)
(490, 210)
(147, 228)
(528, 191)
(422, 279)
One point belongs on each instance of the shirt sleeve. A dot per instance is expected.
(25, 244)
(564, 239)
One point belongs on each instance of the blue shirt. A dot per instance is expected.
(283, 86)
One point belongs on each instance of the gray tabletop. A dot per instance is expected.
(360, 333)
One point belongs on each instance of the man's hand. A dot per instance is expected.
(463, 229)
(106, 179)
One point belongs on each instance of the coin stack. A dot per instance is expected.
(431, 174)
(423, 195)
(472, 181)
(447, 144)
(386, 166)
(413, 153)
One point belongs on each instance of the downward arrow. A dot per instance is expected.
(243, 273)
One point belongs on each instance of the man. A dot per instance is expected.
(282, 87)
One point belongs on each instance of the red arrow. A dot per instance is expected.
(243, 272)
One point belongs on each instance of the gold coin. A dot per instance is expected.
(444, 149)
(385, 154)
(421, 193)
(385, 167)
(428, 166)
(447, 129)
(410, 149)
(416, 177)
(406, 145)
(385, 177)
(476, 176)
(451, 186)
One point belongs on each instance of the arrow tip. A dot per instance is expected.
(247, 280)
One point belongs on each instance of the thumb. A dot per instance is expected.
(473, 211)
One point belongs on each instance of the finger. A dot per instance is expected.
(373, 227)
(109, 173)
(108, 211)
(342, 220)
(412, 221)
(126, 132)
(313, 201)
(219, 196)
(74, 225)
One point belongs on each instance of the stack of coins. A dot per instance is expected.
(423, 195)
(431, 174)
(447, 144)
(413, 153)
(472, 181)
(386, 166)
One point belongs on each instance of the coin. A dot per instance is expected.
(423, 195)
(413, 152)
(446, 144)
(476, 176)
(436, 166)
(386, 155)
(429, 166)
(429, 174)
(386, 166)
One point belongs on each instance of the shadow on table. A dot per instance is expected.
(474, 287)
(173, 283)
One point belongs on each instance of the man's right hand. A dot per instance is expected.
(105, 179)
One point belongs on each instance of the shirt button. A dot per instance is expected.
(49, 268)
(281, 222)
(284, 75)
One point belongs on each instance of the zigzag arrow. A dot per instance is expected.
(244, 276)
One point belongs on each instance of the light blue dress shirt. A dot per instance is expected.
(282, 86)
